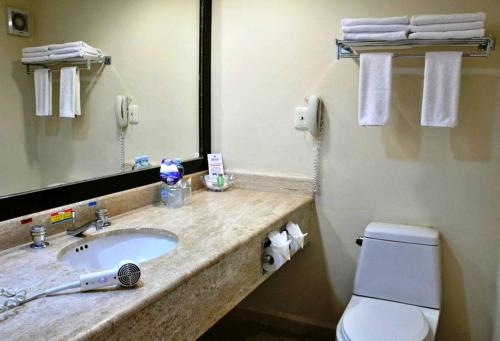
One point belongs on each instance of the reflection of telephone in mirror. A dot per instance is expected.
(125, 111)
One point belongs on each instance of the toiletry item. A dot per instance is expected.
(210, 182)
(272, 259)
(141, 162)
(441, 89)
(375, 86)
(186, 192)
(169, 172)
(43, 92)
(174, 196)
(180, 167)
(296, 237)
(401, 35)
(465, 34)
(279, 242)
(163, 193)
(276, 254)
(137, 163)
(69, 97)
(430, 19)
(376, 21)
(145, 161)
(215, 165)
(220, 181)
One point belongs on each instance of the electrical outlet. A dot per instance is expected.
(300, 118)
(133, 114)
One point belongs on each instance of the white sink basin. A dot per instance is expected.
(112, 249)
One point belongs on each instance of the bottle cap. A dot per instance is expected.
(178, 160)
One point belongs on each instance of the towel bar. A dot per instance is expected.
(348, 48)
(106, 60)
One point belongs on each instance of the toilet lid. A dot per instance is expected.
(383, 320)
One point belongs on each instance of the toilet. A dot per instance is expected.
(397, 287)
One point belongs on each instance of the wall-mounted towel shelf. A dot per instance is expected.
(352, 48)
(85, 62)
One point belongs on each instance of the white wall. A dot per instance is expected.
(267, 55)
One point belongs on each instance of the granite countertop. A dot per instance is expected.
(215, 225)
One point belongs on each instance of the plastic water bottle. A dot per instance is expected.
(180, 167)
(169, 172)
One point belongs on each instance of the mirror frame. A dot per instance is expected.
(19, 204)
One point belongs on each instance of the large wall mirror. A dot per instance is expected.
(155, 60)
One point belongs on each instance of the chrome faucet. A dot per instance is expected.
(99, 223)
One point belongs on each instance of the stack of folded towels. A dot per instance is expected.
(391, 28)
(68, 51)
(447, 26)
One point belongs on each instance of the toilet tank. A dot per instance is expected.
(400, 263)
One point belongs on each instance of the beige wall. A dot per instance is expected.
(267, 55)
(17, 120)
(154, 46)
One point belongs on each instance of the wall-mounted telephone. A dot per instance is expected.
(121, 110)
(314, 118)
(310, 118)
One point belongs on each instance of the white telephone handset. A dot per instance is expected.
(121, 110)
(314, 117)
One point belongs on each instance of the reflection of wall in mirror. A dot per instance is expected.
(154, 46)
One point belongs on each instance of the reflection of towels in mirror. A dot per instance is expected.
(69, 97)
(43, 92)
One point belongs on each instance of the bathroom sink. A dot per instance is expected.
(110, 250)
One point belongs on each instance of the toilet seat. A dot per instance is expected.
(373, 319)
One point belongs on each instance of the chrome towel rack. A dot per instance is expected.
(351, 48)
(85, 62)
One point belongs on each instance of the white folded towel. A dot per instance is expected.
(429, 19)
(35, 59)
(375, 36)
(474, 25)
(375, 28)
(35, 54)
(70, 44)
(448, 35)
(375, 21)
(441, 89)
(43, 92)
(43, 48)
(74, 55)
(69, 97)
(88, 50)
(375, 80)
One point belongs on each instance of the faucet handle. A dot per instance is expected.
(102, 217)
(38, 235)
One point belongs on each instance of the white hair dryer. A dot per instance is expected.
(127, 275)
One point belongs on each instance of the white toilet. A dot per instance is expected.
(397, 288)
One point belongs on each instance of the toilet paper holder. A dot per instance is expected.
(268, 259)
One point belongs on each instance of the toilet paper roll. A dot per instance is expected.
(296, 236)
(294, 246)
(280, 243)
(278, 260)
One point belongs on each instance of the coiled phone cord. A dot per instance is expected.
(316, 159)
